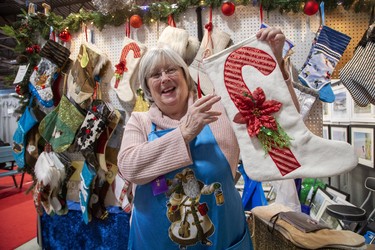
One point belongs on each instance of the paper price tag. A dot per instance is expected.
(21, 73)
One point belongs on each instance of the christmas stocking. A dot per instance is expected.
(125, 81)
(91, 67)
(123, 193)
(358, 74)
(95, 122)
(54, 56)
(322, 60)
(98, 196)
(214, 41)
(180, 41)
(103, 141)
(274, 141)
(27, 121)
(88, 175)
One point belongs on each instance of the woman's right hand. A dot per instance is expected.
(198, 115)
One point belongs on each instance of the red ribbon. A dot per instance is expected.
(209, 27)
(171, 21)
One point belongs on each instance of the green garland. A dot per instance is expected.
(31, 27)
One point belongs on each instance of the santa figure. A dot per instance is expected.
(190, 221)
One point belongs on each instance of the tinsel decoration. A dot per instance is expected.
(140, 104)
(110, 6)
(32, 27)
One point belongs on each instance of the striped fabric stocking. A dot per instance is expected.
(323, 58)
(274, 141)
(358, 75)
(124, 80)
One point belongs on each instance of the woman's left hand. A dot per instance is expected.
(276, 40)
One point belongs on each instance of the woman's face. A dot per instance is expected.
(169, 89)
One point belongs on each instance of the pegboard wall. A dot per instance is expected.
(245, 22)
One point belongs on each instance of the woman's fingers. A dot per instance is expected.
(198, 116)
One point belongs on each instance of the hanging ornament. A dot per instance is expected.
(65, 35)
(228, 8)
(135, 21)
(311, 7)
(29, 50)
(18, 89)
(36, 48)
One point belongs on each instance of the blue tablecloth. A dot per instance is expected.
(70, 232)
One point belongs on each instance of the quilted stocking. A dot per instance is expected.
(274, 141)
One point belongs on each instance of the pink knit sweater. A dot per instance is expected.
(141, 161)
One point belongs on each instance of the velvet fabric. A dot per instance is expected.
(71, 232)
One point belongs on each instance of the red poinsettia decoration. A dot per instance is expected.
(256, 112)
(120, 69)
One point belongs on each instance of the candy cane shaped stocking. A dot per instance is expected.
(274, 141)
(124, 81)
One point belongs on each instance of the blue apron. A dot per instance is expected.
(172, 220)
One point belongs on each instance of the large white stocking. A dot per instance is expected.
(258, 103)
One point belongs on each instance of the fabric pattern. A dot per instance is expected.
(41, 81)
(322, 60)
(358, 74)
(59, 127)
(24, 125)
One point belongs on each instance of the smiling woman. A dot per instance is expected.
(182, 155)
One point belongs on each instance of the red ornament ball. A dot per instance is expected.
(311, 7)
(29, 50)
(228, 8)
(65, 36)
(135, 21)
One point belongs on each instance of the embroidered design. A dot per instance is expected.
(190, 221)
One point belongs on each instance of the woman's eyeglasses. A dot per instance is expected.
(171, 71)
